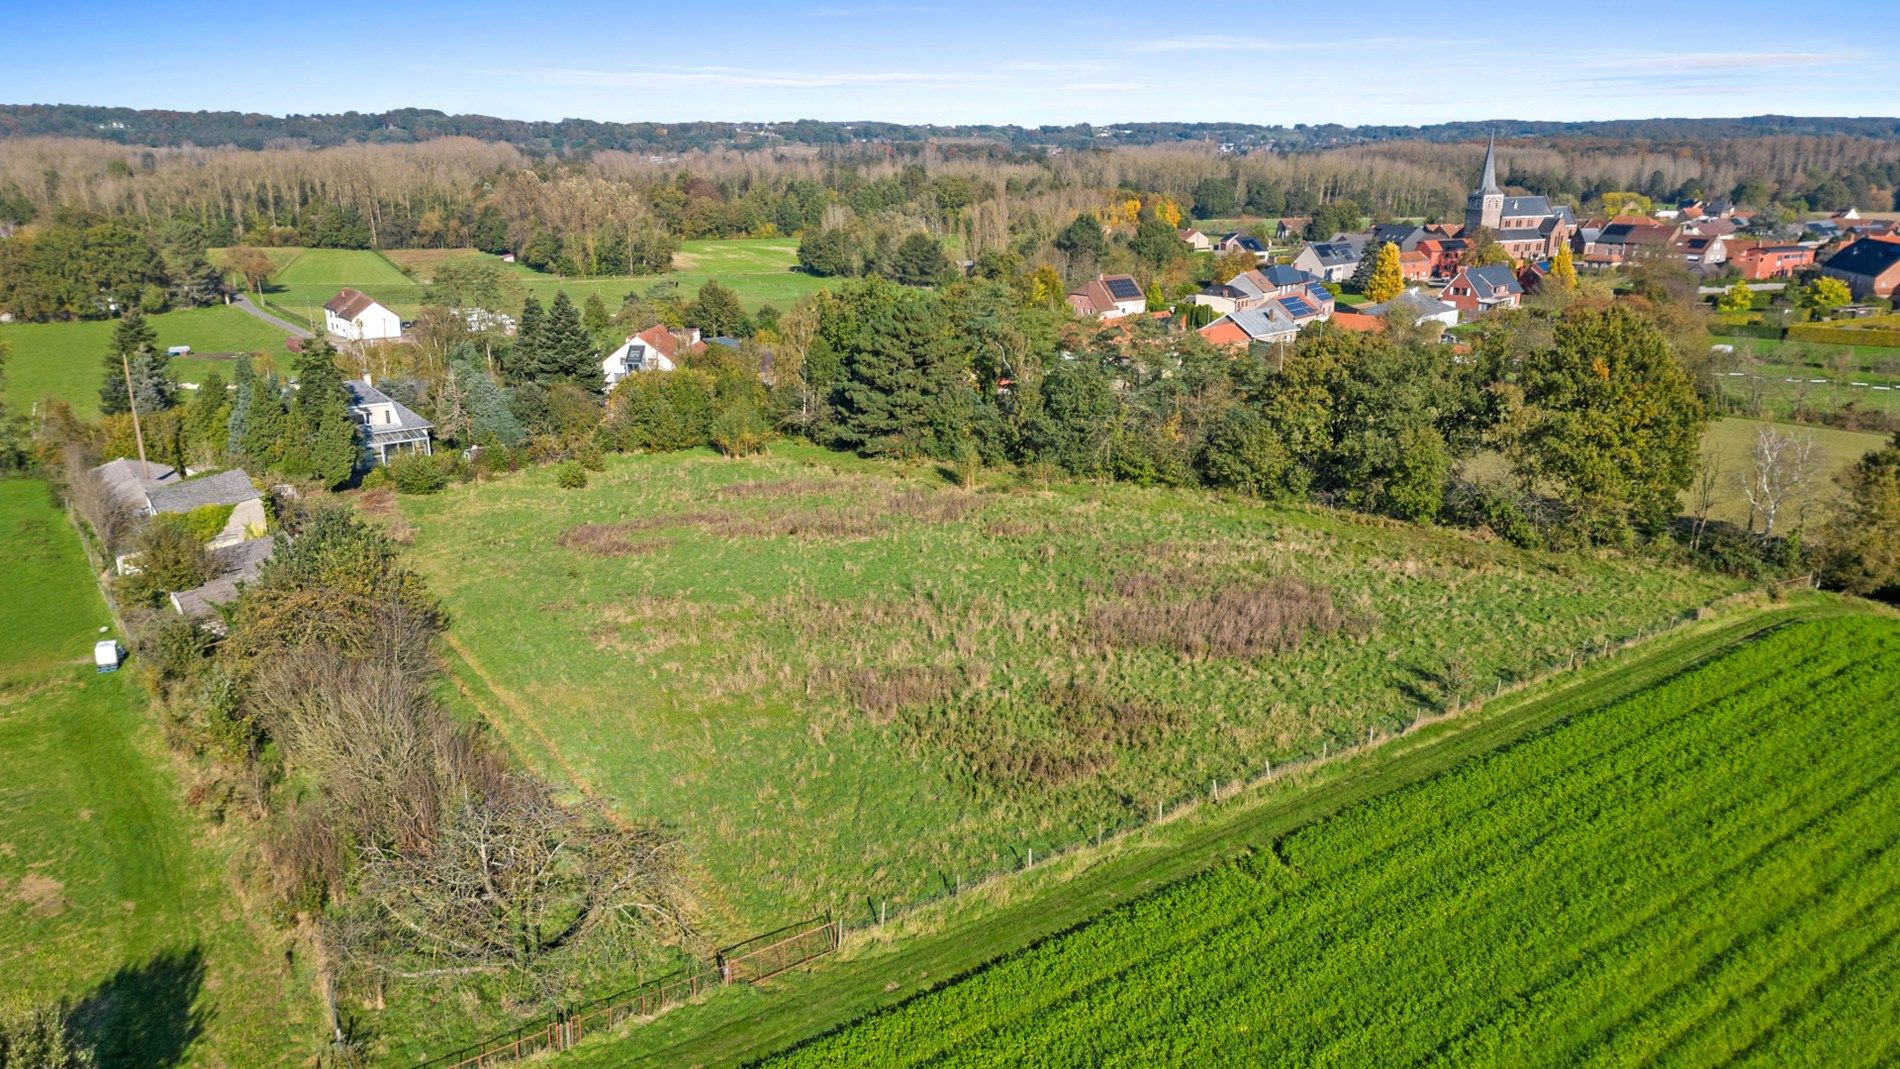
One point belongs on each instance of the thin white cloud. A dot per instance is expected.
(1722, 61)
(1220, 42)
(1038, 67)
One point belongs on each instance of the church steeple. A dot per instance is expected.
(1484, 208)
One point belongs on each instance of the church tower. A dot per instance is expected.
(1485, 206)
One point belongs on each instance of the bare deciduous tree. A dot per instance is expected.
(1708, 482)
(512, 880)
(1782, 468)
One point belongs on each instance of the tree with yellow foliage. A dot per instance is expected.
(1563, 270)
(1388, 279)
(1166, 210)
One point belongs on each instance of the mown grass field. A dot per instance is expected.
(1784, 377)
(760, 271)
(111, 896)
(1733, 439)
(842, 682)
(1701, 873)
(66, 359)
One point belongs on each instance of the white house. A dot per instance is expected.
(390, 428)
(354, 316)
(1109, 297)
(1330, 261)
(1196, 240)
(1422, 308)
(653, 349)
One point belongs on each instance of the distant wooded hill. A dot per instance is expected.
(155, 128)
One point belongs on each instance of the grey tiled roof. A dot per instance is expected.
(125, 479)
(231, 487)
(1263, 322)
(230, 565)
(362, 394)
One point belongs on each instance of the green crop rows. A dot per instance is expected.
(1703, 873)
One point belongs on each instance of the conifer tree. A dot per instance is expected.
(1387, 279)
(904, 392)
(566, 351)
(262, 428)
(242, 378)
(322, 438)
(524, 356)
(135, 352)
(486, 416)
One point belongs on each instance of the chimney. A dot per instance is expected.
(367, 381)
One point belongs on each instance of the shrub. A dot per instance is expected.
(588, 455)
(205, 521)
(571, 476)
(740, 431)
(418, 474)
(170, 557)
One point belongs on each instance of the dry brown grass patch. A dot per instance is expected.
(606, 540)
(1238, 620)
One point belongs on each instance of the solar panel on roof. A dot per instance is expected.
(1298, 306)
(1122, 289)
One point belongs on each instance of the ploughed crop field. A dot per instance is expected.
(842, 682)
(1703, 873)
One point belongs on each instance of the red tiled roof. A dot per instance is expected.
(1358, 321)
(349, 303)
(1224, 332)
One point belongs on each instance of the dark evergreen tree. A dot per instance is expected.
(567, 353)
(321, 438)
(243, 378)
(264, 427)
(135, 348)
(919, 261)
(716, 311)
(522, 359)
(905, 390)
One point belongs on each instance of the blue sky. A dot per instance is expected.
(1367, 61)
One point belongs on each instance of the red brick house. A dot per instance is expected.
(1760, 262)
(1870, 267)
(1477, 290)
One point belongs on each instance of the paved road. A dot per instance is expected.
(286, 326)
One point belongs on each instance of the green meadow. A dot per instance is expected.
(113, 898)
(66, 360)
(761, 271)
(1700, 874)
(844, 682)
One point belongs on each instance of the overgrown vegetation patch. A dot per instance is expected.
(839, 680)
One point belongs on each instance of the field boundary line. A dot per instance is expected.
(883, 967)
(518, 712)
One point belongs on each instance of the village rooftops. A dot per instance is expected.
(231, 487)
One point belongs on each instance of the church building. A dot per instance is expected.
(1528, 228)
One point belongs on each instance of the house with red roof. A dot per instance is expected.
(354, 316)
(1758, 261)
(1108, 297)
(653, 349)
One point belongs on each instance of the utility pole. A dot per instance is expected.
(132, 401)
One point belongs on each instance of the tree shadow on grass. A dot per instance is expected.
(145, 1016)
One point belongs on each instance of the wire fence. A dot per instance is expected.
(750, 962)
(774, 953)
(868, 914)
